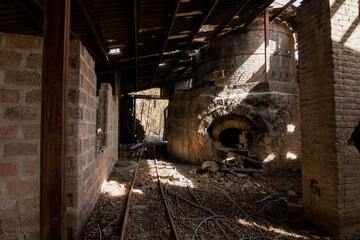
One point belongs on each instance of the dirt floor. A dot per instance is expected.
(203, 205)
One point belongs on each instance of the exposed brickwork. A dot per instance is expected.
(19, 179)
(20, 98)
(270, 106)
(329, 36)
(86, 170)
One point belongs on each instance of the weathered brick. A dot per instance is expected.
(23, 187)
(34, 61)
(20, 149)
(22, 78)
(32, 168)
(33, 96)
(7, 207)
(32, 131)
(23, 41)
(8, 169)
(25, 224)
(32, 204)
(10, 58)
(9, 96)
(74, 146)
(75, 113)
(7, 133)
(21, 114)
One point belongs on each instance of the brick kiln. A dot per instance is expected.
(231, 104)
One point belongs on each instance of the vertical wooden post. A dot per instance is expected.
(54, 119)
(267, 36)
(118, 93)
(134, 119)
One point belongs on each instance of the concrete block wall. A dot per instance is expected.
(328, 34)
(20, 113)
(20, 103)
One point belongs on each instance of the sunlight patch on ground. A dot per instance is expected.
(113, 189)
(290, 155)
(269, 158)
(291, 128)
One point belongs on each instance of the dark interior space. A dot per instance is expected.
(355, 137)
(230, 137)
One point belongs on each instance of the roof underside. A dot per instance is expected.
(156, 38)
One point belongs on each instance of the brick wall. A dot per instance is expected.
(328, 34)
(345, 34)
(275, 103)
(20, 103)
(20, 106)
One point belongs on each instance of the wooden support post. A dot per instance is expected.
(118, 93)
(136, 45)
(267, 36)
(54, 119)
(134, 119)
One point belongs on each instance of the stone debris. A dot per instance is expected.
(235, 164)
(294, 204)
(211, 166)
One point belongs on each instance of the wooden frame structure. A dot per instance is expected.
(54, 119)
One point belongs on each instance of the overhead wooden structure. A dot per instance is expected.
(150, 41)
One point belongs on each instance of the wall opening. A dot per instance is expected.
(230, 137)
(355, 137)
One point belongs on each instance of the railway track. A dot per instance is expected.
(163, 204)
(147, 214)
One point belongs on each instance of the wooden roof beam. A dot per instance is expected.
(136, 45)
(238, 9)
(73, 35)
(259, 13)
(168, 32)
(282, 9)
(182, 72)
(193, 35)
(29, 13)
(91, 24)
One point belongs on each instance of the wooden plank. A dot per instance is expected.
(168, 32)
(268, 3)
(267, 48)
(94, 31)
(54, 119)
(194, 33)
(282, 9)
(237, 10)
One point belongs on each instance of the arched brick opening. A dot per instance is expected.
(236, 131)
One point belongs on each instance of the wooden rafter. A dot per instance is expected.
(29, 13)
(290, 14)
(259, 13)
(136, 45)
(237, 10)
(94, 31)
(168, 32)
(194, 33)
(73, 35)
(182, 72)
(282, 9)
